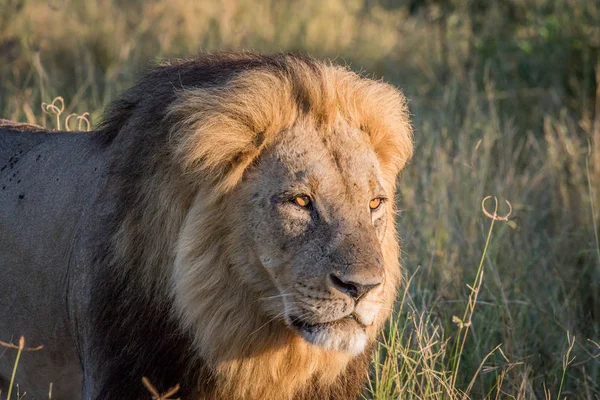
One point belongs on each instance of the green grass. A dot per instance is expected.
(505, 97)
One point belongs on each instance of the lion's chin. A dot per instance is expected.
(344, 335)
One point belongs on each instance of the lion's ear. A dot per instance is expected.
(392, 139)
(213, 147)
(219, 132)
(381, 111)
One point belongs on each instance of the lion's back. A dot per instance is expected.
(48, 182)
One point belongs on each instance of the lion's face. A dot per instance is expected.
(318, 215)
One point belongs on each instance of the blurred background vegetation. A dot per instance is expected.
(505, 97)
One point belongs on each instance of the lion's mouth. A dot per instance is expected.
(346, 323)
(345, 334)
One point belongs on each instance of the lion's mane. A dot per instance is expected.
(192, 127)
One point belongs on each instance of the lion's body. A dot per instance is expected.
(138, 250)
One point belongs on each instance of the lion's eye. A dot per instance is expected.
(302, 201)
(375, 204)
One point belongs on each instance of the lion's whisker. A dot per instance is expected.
(281, 314)
(279, 296)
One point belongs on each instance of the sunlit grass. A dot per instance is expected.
(414, 360)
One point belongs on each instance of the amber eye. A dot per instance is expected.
(374, 204)
(302, 201)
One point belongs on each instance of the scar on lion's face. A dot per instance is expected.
(318, 220)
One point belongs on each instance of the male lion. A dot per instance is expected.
(229, 227)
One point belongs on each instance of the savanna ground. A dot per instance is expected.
(505, 97)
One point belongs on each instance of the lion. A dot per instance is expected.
(229, 227)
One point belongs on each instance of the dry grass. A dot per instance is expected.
(505, 97)
(20, 348)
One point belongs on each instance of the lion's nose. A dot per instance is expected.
(354, 286)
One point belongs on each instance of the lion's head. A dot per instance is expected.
(301, 163)
(279, 190)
